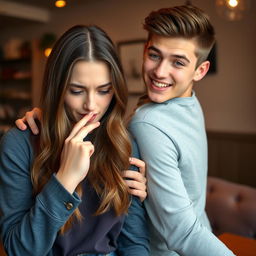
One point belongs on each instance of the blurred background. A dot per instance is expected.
(227, 94)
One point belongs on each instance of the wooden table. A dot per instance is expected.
(241, 246)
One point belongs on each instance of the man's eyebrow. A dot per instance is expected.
(82, 86)
(183, 57)
(178, 56)
(154, 49)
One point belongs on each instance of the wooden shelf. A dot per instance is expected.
(14, 61)
(20, 84)
(15, 90)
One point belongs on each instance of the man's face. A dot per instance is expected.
(169, 68)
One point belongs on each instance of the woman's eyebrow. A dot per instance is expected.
(82, 86)
(104, 85)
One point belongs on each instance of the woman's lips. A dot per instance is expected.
(93, 118)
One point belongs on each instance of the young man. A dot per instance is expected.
(170, 132)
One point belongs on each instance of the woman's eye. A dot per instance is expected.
(103, 92)
(76, 92)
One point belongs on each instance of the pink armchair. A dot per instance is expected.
(231, 207)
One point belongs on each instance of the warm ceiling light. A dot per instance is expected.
(60, 3)
(233, 3)
(232, 9)
(47, 52)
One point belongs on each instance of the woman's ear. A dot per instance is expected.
(201, 70)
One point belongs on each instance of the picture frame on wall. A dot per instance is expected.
(131, 55)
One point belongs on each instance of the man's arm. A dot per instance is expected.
(168, 205)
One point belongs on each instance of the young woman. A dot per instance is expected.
(64, 191)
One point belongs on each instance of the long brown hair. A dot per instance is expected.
(111, 141)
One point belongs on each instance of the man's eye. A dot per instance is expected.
(153, 56)
(178, 63)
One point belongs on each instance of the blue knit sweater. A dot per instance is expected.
(29, 224)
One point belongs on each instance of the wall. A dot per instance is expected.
(231, 156)
(227, 97)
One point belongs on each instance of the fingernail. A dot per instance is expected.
(130, 159)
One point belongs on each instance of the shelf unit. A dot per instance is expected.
(15, 90)
(20, 81)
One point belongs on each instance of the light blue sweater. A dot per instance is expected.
(172, 141)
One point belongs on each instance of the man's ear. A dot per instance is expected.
(201, 70)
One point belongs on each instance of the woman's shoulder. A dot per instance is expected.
(16, 134)
(16, 139)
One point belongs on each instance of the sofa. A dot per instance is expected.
(231, 207)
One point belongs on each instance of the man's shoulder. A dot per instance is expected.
(146, 112)
(155, 113)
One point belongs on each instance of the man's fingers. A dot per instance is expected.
(137, 176)
(20, 124)
(30, 119)
(136, 185)
(37, 113)
(136, 181)
(139, 163)
(139, 193)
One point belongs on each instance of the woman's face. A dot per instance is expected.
(89, 90)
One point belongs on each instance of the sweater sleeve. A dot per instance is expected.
(133, 239)
(29, 224)
(168, 205)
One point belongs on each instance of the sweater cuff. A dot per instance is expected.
(57, 201)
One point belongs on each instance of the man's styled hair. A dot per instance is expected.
(186, 21)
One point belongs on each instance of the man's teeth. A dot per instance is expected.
(160, 85)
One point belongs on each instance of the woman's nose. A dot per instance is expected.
(90, 103)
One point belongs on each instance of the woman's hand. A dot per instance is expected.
(29, 118)
(137, 180)
(76, 153)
